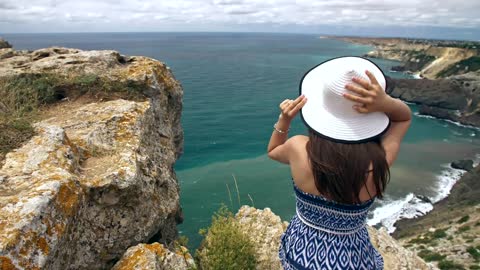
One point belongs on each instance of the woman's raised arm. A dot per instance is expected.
(374, 99)
(278, 145)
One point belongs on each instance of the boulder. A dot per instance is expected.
(155, 257)
(463, 164)
(98, 177)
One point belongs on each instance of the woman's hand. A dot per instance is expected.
(289, 108)
(372, 97)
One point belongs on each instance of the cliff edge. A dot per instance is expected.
(97, 176)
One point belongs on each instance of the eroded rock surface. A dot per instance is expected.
(155, 257)
(97, 178)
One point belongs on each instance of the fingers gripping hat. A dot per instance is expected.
(331, 115)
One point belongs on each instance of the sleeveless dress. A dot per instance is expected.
(327, 235)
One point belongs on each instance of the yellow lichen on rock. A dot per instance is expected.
(98, 177)
(155, 257)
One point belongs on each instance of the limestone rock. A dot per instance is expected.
(155, 257)
(265, 228)
(394, 255)
(97, 178)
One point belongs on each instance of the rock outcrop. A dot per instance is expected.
(155, 257)
(455, 98)
(265, 228)
(4, 44)
(98, 177)
(463, 164)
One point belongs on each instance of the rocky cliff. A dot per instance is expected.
(429, 58)
(98, 175)
(456, 98)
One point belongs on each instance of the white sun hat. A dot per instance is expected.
(330, 114)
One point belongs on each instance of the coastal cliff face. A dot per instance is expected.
(98, 175)
(264, 228)
(430, 59)
(456, 98)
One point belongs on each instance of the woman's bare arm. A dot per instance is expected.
(374, 99)
(278, 146)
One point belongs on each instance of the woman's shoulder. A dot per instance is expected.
(298, 142)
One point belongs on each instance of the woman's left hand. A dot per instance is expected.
(371, 96)
(289, 108)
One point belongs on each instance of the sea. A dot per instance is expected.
(233, 83)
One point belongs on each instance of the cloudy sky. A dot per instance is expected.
(429, 18)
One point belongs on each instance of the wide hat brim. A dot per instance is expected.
(328, 113)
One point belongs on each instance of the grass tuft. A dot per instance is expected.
(225, 245)
(430, 256)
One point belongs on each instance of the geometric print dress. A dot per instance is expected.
(327, 235)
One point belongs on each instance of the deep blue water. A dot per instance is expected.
(233, 84)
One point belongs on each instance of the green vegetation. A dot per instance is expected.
(430, 256)
(469, 64)
(474, 267)
(463, 228)
(25, 94)
(463, 219)
(430, 237)
(449, 265)
(225, 246)
(474, 252)
(440, 233)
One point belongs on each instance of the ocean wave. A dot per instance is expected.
(446, 120)
(390, 211)
(411, 206)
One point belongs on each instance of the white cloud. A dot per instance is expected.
(184, 13)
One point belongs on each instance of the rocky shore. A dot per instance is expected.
(456, 98)
(450, 232)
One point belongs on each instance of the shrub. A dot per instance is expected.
(439, 234)
(449, 265)
(429, 256)
(463, 228)
(463, 219)
(225, 246)
(475, 253)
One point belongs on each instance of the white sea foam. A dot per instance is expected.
(447, 178)
(390, 211)
(416, 76)
(446, 120)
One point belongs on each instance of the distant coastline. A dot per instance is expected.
(426, 58)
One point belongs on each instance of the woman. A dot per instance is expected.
(338, 170)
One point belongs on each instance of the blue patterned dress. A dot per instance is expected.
(328, 235)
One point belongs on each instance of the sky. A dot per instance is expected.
(448, 19)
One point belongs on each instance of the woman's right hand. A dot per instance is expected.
(290, 108)
(371, 96)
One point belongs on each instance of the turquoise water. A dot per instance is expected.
(233, 84)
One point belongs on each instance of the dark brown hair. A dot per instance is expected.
(340, 170)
